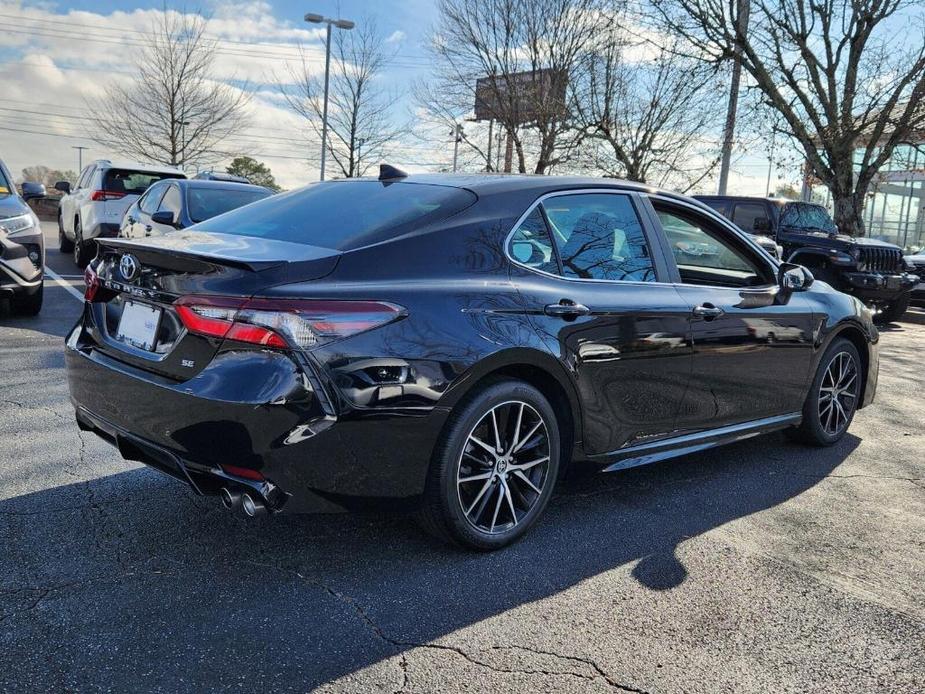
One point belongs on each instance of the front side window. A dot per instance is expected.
(707, 255)
(150, 199)
(205, 203)
(171, 201)
(599, 236)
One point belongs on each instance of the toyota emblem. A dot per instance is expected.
(128, 267)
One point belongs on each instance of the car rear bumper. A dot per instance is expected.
(311, 460)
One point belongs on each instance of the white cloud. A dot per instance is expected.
(396, 36)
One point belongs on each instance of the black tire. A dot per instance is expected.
(65, 245)
(894, 310)
(816, 428)
(28, 304)
(82, 255)
(457, 509)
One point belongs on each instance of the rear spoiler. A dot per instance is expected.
(231, 260)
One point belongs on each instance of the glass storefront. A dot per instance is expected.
(895, 207)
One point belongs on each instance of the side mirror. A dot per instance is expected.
(794, 278)
(165, 217)
(32, 190)
(63, 186)
(761, 224)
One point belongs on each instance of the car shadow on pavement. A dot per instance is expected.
(190, 593)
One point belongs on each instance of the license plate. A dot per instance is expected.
(138, 325)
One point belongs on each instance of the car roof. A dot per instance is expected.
(756, 198)
(137, 166)
(492, 183)
(216, 185)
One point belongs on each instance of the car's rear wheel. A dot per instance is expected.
(65, 245)
(833, 397)
(81, 250)
(894, 310)
(495, 467)
(28, 304)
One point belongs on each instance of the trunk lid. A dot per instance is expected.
(134, 317)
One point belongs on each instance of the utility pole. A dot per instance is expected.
(183, 124)
(340, 24)
(491, 125)
(80, 157)
(456, 133)
(741, 21)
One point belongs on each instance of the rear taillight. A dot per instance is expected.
(301, 323)
(92, 283)
(103, 195)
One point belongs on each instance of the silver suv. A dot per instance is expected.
(94, 208)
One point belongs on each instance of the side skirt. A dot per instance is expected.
(646, 453)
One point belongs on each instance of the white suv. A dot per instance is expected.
(95, 206)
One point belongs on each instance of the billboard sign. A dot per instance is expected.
(521, 97)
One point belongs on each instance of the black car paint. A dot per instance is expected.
(820, 251)
(330, 432)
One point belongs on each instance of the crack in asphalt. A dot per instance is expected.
(399, 644)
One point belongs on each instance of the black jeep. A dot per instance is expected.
(873, 271)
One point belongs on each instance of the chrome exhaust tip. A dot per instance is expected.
(230, 500)
(252, 507)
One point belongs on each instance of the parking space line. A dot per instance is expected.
(58, 279)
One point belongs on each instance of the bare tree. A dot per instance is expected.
(845, 75)
(173, 112)
(648, 111)
(361, 132)
(542, 41)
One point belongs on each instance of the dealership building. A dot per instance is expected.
(895, 207)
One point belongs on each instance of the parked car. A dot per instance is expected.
(174, 204)
(22, 246)
(452, 344)
(866, 268)
(220, 176)
(916, 265)
(96, 205)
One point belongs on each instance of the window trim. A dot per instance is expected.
(773, 266)
(656, 251)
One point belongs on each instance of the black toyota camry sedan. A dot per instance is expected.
(452, 344)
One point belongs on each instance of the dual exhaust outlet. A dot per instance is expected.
(233, 499)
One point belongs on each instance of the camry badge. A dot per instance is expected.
(128, 267)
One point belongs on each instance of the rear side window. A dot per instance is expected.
(131, 182)
(600, 237)
(530, 244)
(205, 203)
(746, 213)
(342, 215)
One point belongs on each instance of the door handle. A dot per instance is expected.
(566, 308)
(131, 220)
(707, 311)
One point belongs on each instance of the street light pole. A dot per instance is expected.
(741, 21)
(80, 157)
(457, 138)
(340, 24)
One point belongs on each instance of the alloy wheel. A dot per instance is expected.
(504, 467)
(838, 393)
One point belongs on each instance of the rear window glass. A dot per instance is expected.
(342, 215)
(205, 203)
(132, 182)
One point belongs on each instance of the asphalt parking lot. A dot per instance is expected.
(763, 566)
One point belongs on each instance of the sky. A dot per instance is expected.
(55, 56)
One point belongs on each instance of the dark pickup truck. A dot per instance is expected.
(873, 271)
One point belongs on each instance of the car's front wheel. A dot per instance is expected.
(495, 467)
(28, 304)
(894, 310)
(81, 248)
(65, 245)
(833, 397)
